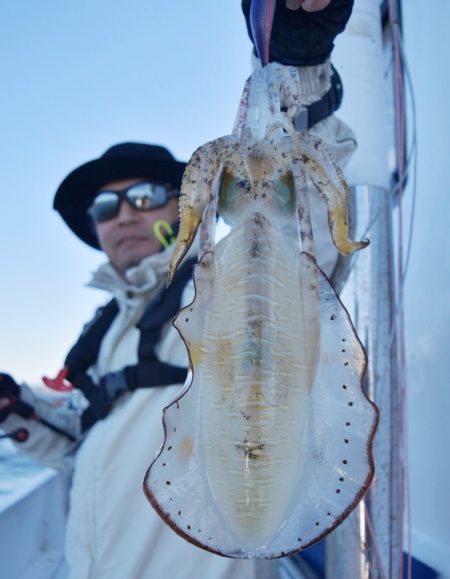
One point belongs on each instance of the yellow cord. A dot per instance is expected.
(163, 232)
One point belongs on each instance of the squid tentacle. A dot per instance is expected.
(329, 181)
(195, 193)
(241, 115)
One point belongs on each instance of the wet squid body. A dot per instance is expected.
(268, 446)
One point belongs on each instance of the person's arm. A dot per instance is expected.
(51, 437)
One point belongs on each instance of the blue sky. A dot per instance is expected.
(78, 76)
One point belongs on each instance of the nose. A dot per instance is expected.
(126, 213)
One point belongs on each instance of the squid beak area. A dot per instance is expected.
(190, 222)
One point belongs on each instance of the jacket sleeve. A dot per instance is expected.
(55, 431)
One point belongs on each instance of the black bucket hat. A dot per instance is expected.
(123, 161)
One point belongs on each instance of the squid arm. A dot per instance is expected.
(329, 181)
(196, 189)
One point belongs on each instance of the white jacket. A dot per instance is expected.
(113, 532)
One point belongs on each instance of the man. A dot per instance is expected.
(125, 368)
(102, 415)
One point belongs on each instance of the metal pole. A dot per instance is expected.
(367, 545)
(375, 320)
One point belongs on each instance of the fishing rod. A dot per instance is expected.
(19, 435)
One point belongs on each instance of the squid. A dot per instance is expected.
(267, 447)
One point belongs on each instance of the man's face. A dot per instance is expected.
(129, 237)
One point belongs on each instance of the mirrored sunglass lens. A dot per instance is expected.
(105, 207)
(145, 196)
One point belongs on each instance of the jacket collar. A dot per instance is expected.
(140, 279)
(148, 275)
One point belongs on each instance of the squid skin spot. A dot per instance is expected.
(346, 364)
(317, 523)
(338, 491)
(347, 424)
(170, 448)
(164, 464)
(343, 350)
(168, 482)
(344, 386)
(333, 317)
(299, 540)
(350, 403)
(341, 479)
(189, 527)
(343, 339)
(246, 416)
(346, 440)
(328, 514)
(345, 462)
(179, 512)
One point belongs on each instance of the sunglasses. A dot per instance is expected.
(143, 196)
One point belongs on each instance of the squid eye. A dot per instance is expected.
(230, 196)
(284, 196)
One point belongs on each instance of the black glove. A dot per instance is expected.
(301, 38)
(10, 389)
